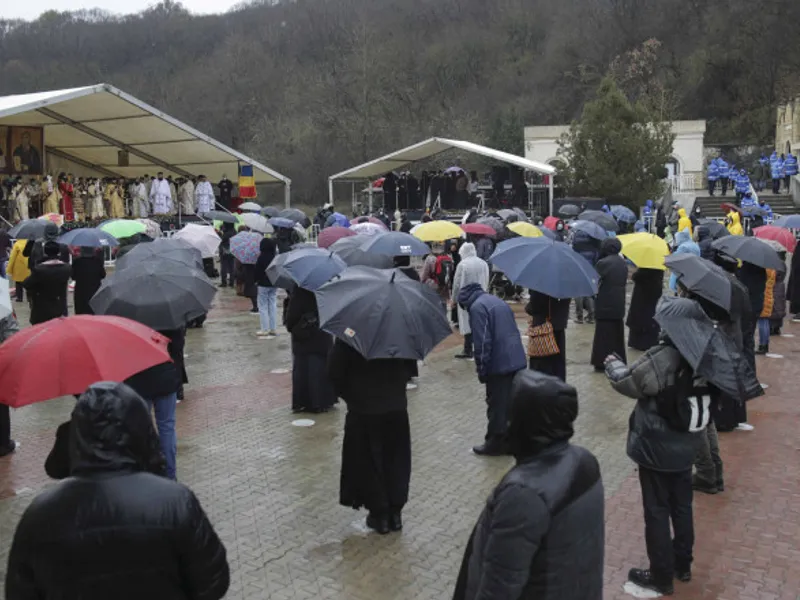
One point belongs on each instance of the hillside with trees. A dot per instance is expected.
(314, 86)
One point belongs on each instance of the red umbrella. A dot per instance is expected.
(378, 183)
(728, 207)
(65, 356)
(329, 235)
(778, 234)
(551, 222)
(479, 229)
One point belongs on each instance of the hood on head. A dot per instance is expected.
(682, 236)
(649, 204)
(610, 246)
(543, 410)
(112, 431)
(682, 212)
(467, 250)
(267, 245)
(734, 216)
(50, 232)
(469, 293)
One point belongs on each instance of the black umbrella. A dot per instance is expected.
(508, 215)
(704, 278)
(31, 229)
(716, 229)
(296, 215)
(751, 250)
(382, 313)
(605, 220)
(710, 352)
(495, 222)
(163, 249)
(309, 268)
(162, 295)
(270, 211)
(395, 243)
(221, 215)
(569, 210)
(349, 250)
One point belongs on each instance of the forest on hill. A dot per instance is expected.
(311, 87)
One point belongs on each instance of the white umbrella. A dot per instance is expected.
(250, 207)
(5, 299)
(153, 229)
(301, 231)
(368, 229)
(202, 237)
(256, 222)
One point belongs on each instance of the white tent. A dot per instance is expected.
(101, 130)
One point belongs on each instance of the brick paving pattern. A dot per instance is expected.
(271, 489)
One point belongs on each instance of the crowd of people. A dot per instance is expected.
(770, 172)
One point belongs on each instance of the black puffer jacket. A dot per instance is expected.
(704, 241)
(610, 302)
(115, 529)
(541, 535)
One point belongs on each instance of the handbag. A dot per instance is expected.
(542, 340)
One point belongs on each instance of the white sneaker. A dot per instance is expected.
(260, 333)
(744, 427)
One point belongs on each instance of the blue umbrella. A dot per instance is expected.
(623, 213)
(547, 233)
(337, 219)
(396, 243)
(593, 230)
(548, 267)
(309, 268)
(788, 222)
(281, 222)
(88, 238)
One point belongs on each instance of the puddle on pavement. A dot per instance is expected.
(303, 422)
(772, 355)
(279, 371)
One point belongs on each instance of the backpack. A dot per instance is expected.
(686, 405)
(444, 270)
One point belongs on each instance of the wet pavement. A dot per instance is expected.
(271, 488)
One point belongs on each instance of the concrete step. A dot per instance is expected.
(781, 204)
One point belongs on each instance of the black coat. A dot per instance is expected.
(145, 536)
(167, 377)
(268, 249)
(610, 302)
(648, 287)
(541, 306)
(755, 280)
(793, 286)
(249, 280)
(302, 321)
(88, 273)
(47, 288)
(368, 386)
(541, 535)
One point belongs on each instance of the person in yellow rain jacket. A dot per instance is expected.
(734, 223)
(684, 222)
(17, 267)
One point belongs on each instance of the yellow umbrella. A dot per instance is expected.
(437, 231)
(525, 229)
(645, 250)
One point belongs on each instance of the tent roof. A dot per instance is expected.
(431, 147)
(90, 125)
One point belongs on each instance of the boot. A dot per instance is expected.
(491, 447)
(644, 578)
(378, 523)
(396, 521)
(762, 349)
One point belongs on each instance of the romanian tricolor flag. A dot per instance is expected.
(247, 183)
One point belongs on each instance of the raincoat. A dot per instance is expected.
(790, 165)
(713, 171)
(742, 182)
(17, 266)
(723, 168)
(684, 222)
(470, 269)
(735, 226)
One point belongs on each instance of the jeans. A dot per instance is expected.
(708, 461)
(667, 497)
(498, 401)
(164, 407)
(226, 269)
(763, 331)
(584, 303)
(267, 307)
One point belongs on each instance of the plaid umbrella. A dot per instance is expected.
(246, 246)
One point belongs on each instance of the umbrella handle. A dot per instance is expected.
(393, 276)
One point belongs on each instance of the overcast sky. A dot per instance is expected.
(31, 9)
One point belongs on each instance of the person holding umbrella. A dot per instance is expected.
(589, 248)
(648, 286)
(8, 327)
(47, 286)
(470, 269)
(226, 260)
(267, 293)
(17, 268)
(88, 272)
(609, 333)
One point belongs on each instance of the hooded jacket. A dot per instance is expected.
(735, 226)
(47, 287)
(470, 269)
(685, 246)
(541, 534)
(613, 272)
(754, 279)
(684, 222)
(586, 246)
(128, 532)
(268, 251)
(495, 335)
(704, 242)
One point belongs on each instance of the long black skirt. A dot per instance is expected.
(311, 388)
(555, 365)
(643, 338)
(609, 338)
(376, 461)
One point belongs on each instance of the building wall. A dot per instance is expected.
(787, 127)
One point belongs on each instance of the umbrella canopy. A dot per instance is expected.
(257, 223)
(281, 223)
(30, 229)
(783, 236)
(496, 223)
(309, 268)
(645, 250)
(222, 216)
(122, 228)
(349, 250)
(525, 229)
(548, 233)
(163, 249)
(337, 219)
(396, 243)
(710, 353)
(333, 234)
(715, 228)
(162, 295)
(787, 222)
(5, 299)
(87, 237)
(370, 229)
(546, 266)
(730, 207)
(480, 228)
(382, 313)
(569, 211)
(703, 278)
(370, 219)
(551, 223)
(246, 246)
(751, 250)
(623, 213)
(438, 231)
(270, 211)
(152, 229)
(605, 220)
(296, 215)
(508, 215)
(593, 230)
(218, 224)
(250, 207)
(78, 351)
(454, 169)
(202, 237)
(53, 218)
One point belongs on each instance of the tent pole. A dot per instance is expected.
(330, 191)
(370, 197)
(287, 194)
(550, 192)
